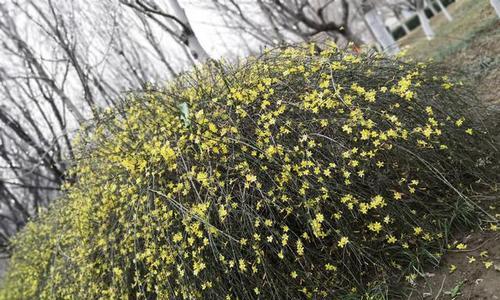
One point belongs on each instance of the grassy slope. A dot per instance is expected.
(471, 43)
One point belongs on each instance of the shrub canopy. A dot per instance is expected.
(297, 174)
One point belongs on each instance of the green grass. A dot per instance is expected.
(474, 22)
(469, 44)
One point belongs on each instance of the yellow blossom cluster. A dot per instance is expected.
(299, 174)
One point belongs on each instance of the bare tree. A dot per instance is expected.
(62, 62)
(431, 7)
(444, 10)
(496, 6)
(417, 6)
(375, 23)
(175, 23)
(275, 21)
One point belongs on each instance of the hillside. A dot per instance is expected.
(470, 44)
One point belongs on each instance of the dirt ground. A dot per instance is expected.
(471, 43)
(472, 273)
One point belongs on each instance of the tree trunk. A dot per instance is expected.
(405, 27)
(444, 10)
(431, 7)
(424, 22)
(496, 6)
(188, 36)
(384, 38)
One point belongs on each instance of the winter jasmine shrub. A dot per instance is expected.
(294, 175)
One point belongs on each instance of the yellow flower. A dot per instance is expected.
(202, 177)
(222, 213)
(242, 265)
(177, 237)
(284, 239)
(377, 201)
(293, 274)
(461, 246)
(256, 236)
(316, 225)
(300, 247)
(212, 127)
(117, 271)
(452, 268)
(251, 178)
(343, 241)
(488, 264)
(347, 129)
(427, 131)
(417, 230)
(398, 195)
(429, 111)
(167, 152)
(411, 278)
(375, 227)
(392, 239)
(447, 85)
(198, 267)
(363, 208)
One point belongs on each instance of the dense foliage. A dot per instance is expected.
(297, 174)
